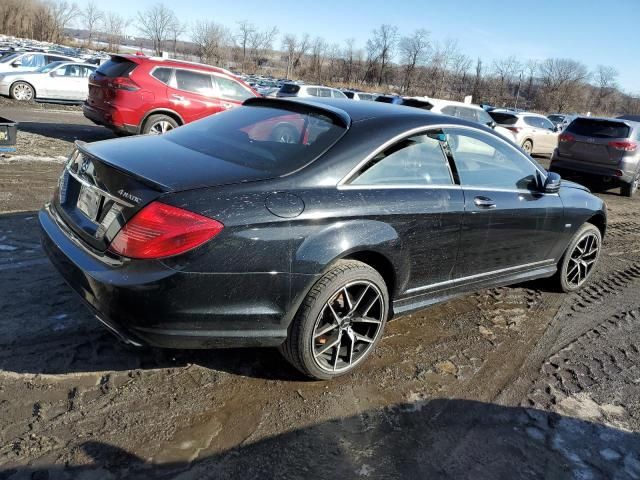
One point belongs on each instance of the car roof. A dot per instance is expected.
(171, 62)
(348, 110)
(441, 102)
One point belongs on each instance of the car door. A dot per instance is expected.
(193, 95)
(509, 223)
(410, 187)
(68, 82)
(534, 130)
(231, 93)
(550, 134)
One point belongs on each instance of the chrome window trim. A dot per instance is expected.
(384, 186)
(432, 286)
(416, 130)
(99, 190)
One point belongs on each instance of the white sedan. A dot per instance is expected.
(67, 81)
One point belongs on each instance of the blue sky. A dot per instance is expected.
(594, 32)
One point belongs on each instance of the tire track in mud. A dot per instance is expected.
(607, 353)
(622, 229)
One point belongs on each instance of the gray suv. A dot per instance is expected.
(605, 147)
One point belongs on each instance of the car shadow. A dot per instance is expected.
(437, 439)
(68, 132)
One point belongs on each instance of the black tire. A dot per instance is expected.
(562, 278)
(527, 146)
(299, 347)
(22, 91)
(158, 124)
(630, 189)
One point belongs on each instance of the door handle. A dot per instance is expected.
(178, 97)
(484, 202)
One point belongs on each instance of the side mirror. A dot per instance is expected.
(553, 182)
(556, 128)
(492, 124)
(16, 64)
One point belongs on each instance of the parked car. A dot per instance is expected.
(473, 113)
(66, 81)
(561, 120)
(296, 90)
(133, 94)
(216, 235)
(406, 101)
(360, 95)
(536, 134)
(29, 61)
(604, 147)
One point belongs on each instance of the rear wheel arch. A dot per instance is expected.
(380, 263)
(160, 111)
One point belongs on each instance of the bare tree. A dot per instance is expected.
(155, 24)
(114, 26)
(295, 50)
(414, 50)
(244, 36)
(477, 82)
(62, 13)
(317, 56)
(92, 16)
(211, 40)
(176, 29)
(605, 80)
(381, 47)
(505, 70)
(560, 79)
(261, 41)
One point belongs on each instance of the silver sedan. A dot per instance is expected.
(67, 81)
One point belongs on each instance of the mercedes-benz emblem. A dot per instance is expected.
(85, 165)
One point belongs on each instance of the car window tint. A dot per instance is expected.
(195, 82)
(504, 118)
(532, 121)
(598, 128)
(546, 124)
(33, 60)
(274, 139)
(231, 90)
(417, 160)
(324, 92)
(116, 67)
(485, 161)
(483, 117)
(467, 114)
(312, 91)
(70, 71)
(163, 74)
(449, 110)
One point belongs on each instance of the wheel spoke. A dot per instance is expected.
(375, 300)
(362, 338)
(349, 302)
(329, 346)
(366, 320)
(325, 330)
(357, 304)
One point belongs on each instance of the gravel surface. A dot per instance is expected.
(517, 382)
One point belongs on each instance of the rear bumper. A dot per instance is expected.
(624, 173)
(148, 303)
(109, 119)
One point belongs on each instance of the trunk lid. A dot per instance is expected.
(595, 141)
(101, 88)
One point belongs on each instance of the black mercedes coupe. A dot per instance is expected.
(307, 225)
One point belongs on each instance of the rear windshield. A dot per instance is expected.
(290, 88)
(598, 128)
(503, 118)
(276, 140)
(556, 118)
(116, 67)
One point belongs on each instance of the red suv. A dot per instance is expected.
(136, 94)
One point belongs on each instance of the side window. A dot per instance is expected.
(231, 90)
(313, 92)
(33, 60)
(546, 124)
(86, 71)
(485, 161)
(449, 110)
(532, 122)
(467, 114)
(195, 82)
(337, 94)
(417, 160)
(70, 70)
(163, 74)
(53, 58)
(324, 92)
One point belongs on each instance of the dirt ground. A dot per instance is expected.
(516, 382)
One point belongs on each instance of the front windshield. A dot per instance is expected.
(50, 66)
(9, 58)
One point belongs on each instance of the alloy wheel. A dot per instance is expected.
(582, 259)
(22, 92)
(348, 326)
(160, 127)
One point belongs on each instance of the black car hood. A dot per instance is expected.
(569, 184)
(170, 165)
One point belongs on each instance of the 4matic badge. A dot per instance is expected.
(128, 196)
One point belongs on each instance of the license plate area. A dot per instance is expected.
(89, 202)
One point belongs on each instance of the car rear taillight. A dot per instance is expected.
(625, 145)
(160, 230)
(567, 137)
(514, 129)
(123, 83)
